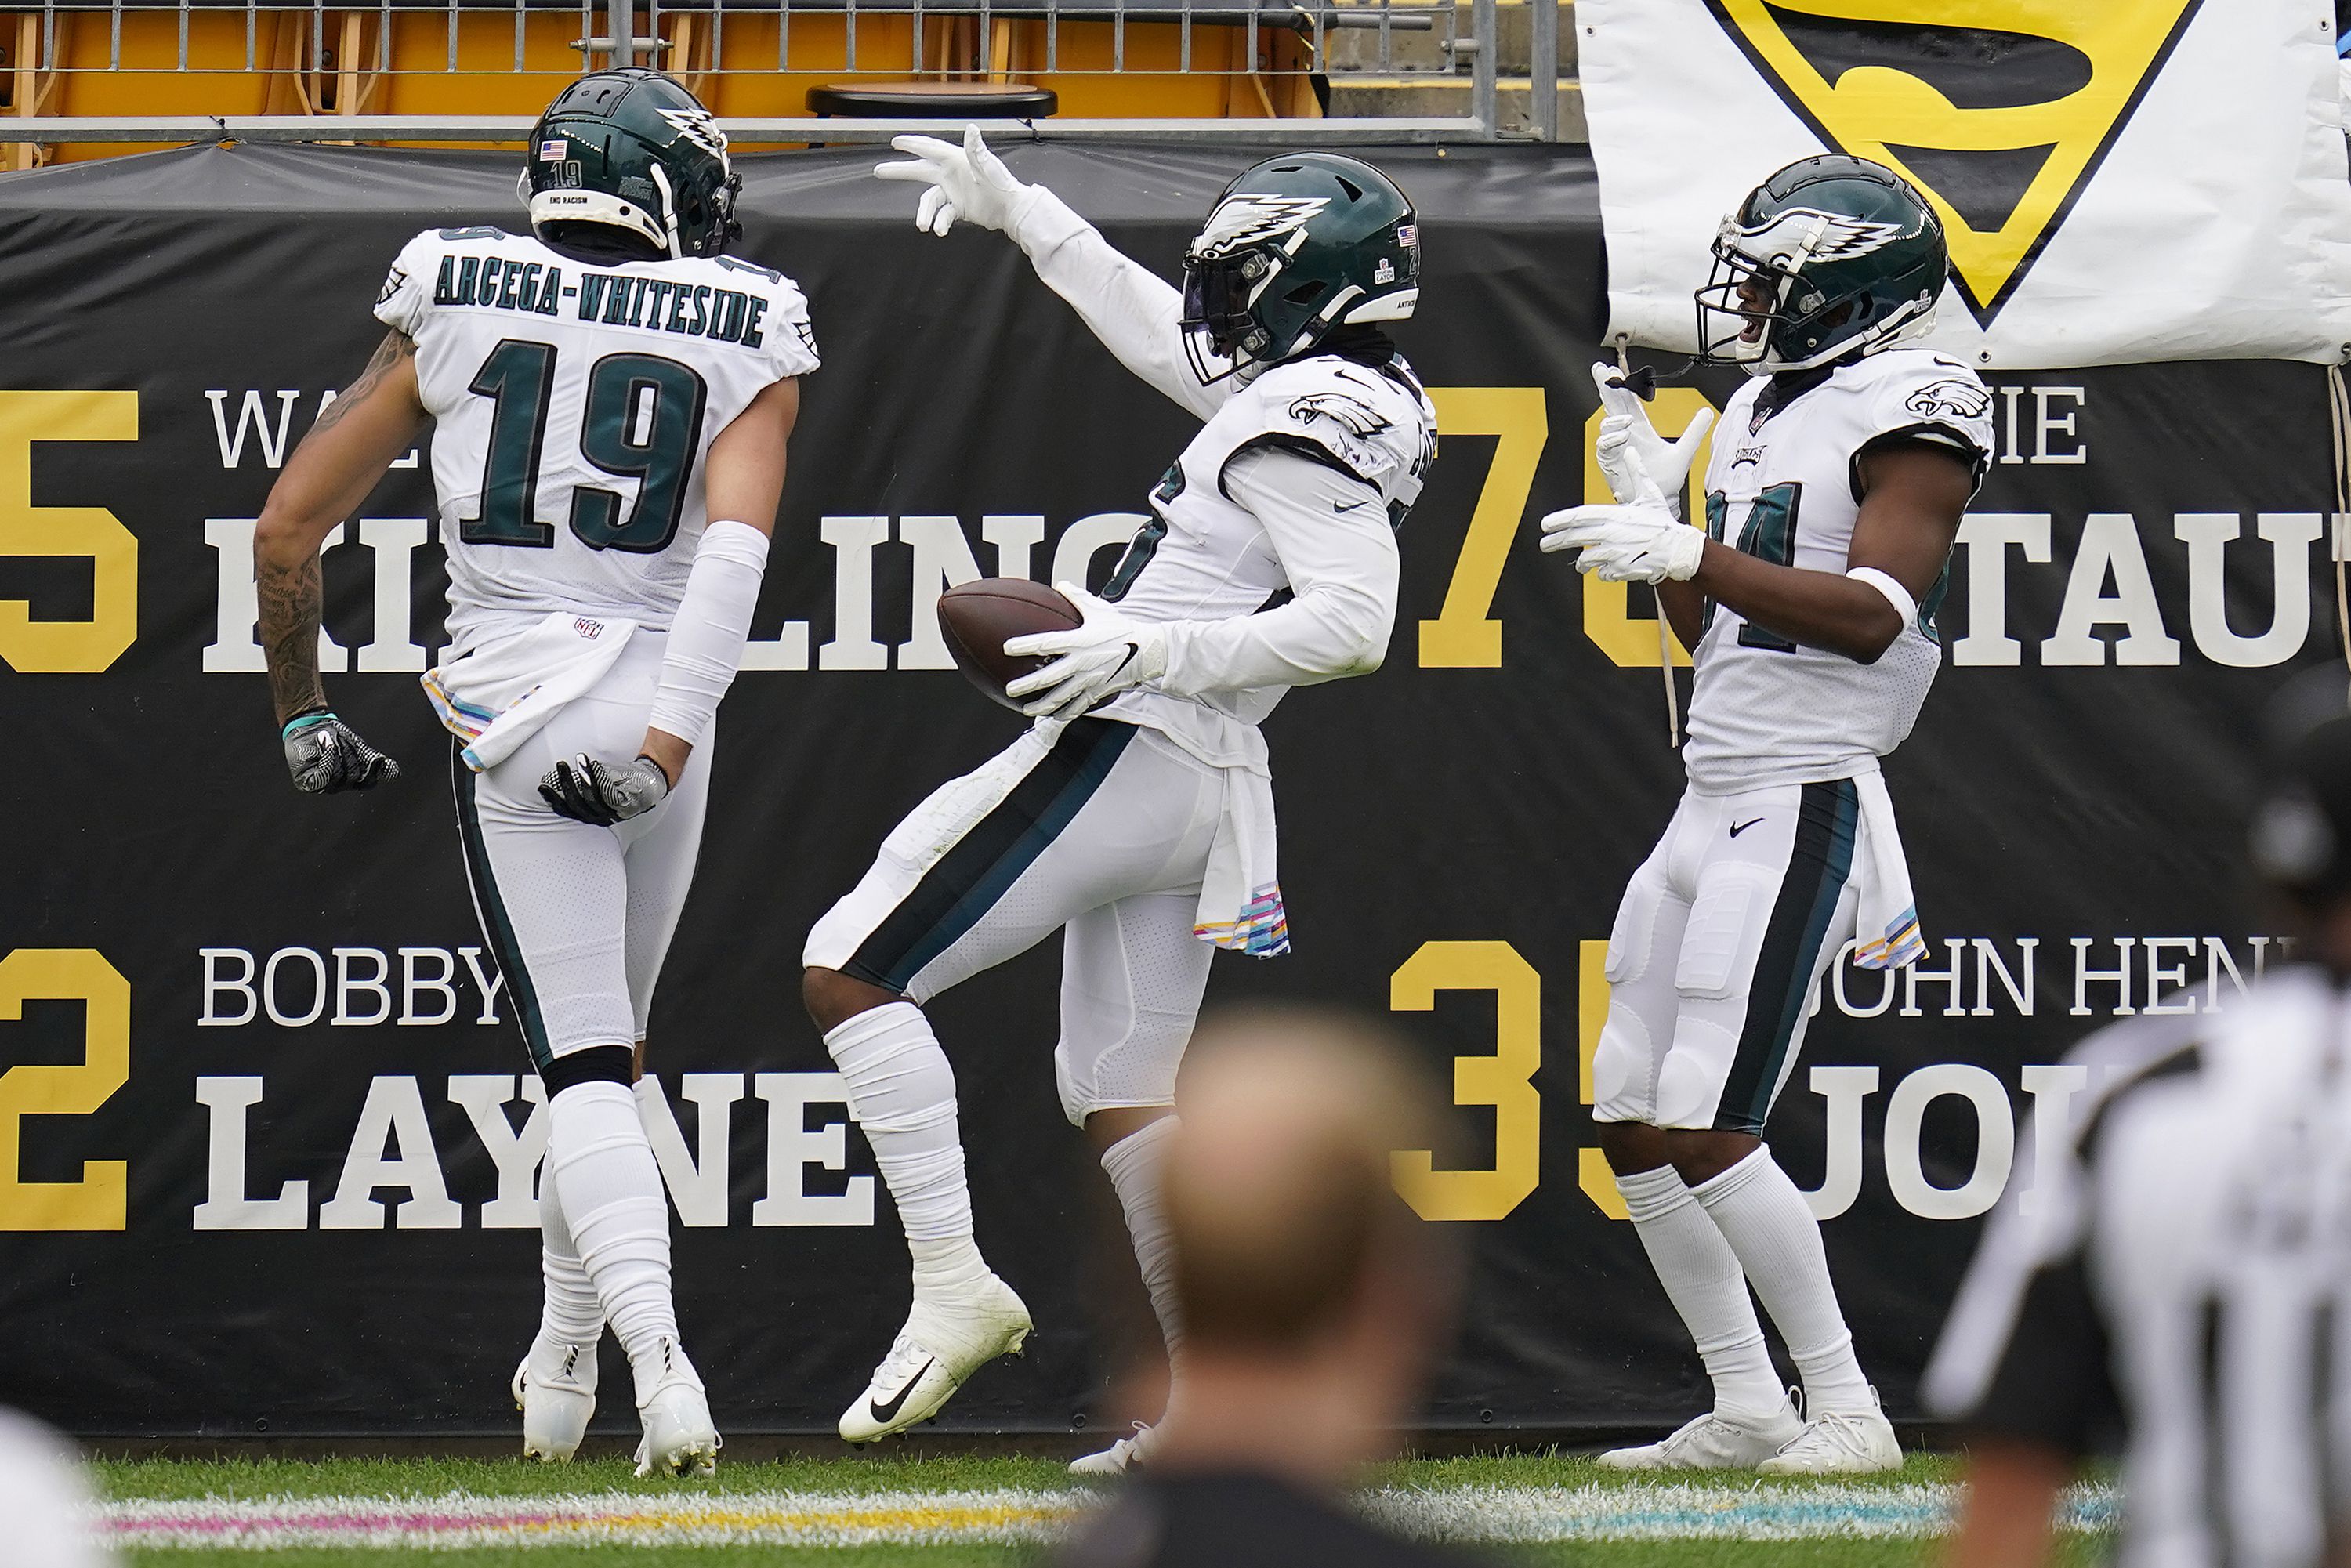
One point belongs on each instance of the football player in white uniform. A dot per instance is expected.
(610, 398)
(1137, 817)
(1832, 503)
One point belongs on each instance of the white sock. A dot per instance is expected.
(1702, 1278)
(570, 1320)
(610, 1189)
(902, 1092)
(1133, 1165)
(1770, 1228)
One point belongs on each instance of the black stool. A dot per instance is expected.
(933, 100)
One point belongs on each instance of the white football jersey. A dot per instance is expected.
(1785, 488)
(574, 406)
(1203, 558)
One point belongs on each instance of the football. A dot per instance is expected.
(979, 617)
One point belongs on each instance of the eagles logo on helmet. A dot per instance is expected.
(1831, 255)
(1295, 247)
(631, 150)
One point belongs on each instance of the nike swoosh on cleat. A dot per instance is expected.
(887, 1412)
(1739, 828)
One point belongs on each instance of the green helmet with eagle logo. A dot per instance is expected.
(1295, 247)
(632, 150)
(1831, 255)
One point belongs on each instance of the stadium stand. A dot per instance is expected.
(88, 77)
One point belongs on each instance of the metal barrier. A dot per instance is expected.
(323, 70)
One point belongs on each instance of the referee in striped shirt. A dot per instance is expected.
(2182, 1284)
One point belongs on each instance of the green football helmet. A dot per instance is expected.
(632, 150)
(1296, 246)
(1830, 256)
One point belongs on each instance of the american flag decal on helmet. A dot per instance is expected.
(552, 151)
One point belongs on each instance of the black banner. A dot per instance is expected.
(266, 1154)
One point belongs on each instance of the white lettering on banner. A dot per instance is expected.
(2290, 537)
(2005, 977)
(392, 1147)
(2110, 551)
(411, 983)
(360, 989)
(2047, 423)
(1845, 1088)
(390, 542)
(278, 1015)
(697, 1181)
(393, 1115)
(1987, 537)
(213, 985)
(226, 1206)
(517, 1154)
(250, 416)
(944, 560)
(347, 985)
(1906, 1114)
(853, 646)
(793, 1146)
(486, 983)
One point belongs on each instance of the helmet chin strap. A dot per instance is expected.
(668, 209)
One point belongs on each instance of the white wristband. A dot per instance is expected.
(1896, 594)
(707, 635)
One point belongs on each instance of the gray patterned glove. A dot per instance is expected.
(325, 756)
(585, 790)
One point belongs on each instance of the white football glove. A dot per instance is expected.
(327, 756)
(1642, 542)
(587, 791)
(1627, 438)
(966, 184)
(1098, 660)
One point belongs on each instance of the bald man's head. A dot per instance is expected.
(1277, 1185)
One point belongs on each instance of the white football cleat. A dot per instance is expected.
(680, 1438)
(1129, 1453)
(1840, 1443)
(945, 1339)
(1713, 1442)
(556, 1410)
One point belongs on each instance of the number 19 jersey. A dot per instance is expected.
(1784, 484)
(574, 405)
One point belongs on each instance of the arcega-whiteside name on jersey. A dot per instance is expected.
(1784, 486)
(1203, 558)
(574, 406)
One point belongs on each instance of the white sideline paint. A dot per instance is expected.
(1640, 1511)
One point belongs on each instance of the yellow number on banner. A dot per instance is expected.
(1592, 1173)
(1628, 640)
(99, 1200)
(49, 647)
(1464, 636)
(1502, 1080)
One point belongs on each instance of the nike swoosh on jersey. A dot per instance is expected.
(887, 1410)
(1739, 828)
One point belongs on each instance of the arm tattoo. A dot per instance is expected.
(396, 346)
(290, 599)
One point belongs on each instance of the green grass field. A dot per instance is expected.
(946, 1496)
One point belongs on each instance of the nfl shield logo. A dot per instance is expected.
(552, 151)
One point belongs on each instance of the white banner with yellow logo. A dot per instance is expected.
(2121, 182)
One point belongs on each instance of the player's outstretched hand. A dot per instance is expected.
(585, 790)
(1103, 656)
(966, 184)
(1639, 543)
(326, 755)
(1628, 441)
